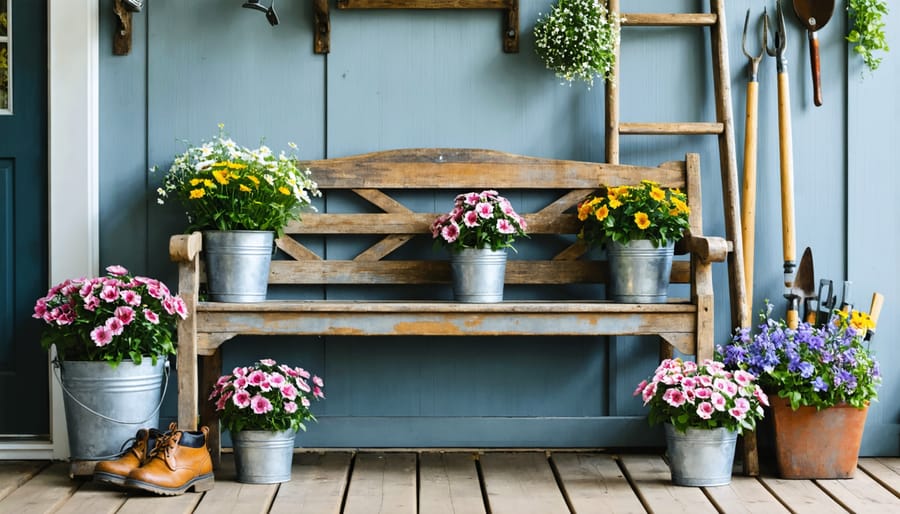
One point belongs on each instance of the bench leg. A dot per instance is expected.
(211, 369)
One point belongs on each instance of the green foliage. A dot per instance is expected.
(578, 40)
(224, 186)
(867, 17)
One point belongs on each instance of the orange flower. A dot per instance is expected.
(601, 213)
(641, 220)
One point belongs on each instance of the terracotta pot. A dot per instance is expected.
(812, 443)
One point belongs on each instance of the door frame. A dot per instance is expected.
(73, 31)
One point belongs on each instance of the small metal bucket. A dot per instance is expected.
(105, 406)
(263, 457)
(701, 457)
(478, 275)
(639, 272)
(237, 264)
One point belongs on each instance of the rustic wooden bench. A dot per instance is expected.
(361, 203)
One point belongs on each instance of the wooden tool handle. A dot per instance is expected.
(875, 310)
(793, 317)
(814, 66)
(811, 317)
(786, 154)
(748, 196)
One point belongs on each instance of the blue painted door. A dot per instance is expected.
(23, 215)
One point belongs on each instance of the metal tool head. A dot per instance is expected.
(780, 33)
(744, 40)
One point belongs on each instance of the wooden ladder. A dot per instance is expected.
(722, 128)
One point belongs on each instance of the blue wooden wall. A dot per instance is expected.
(439, 78)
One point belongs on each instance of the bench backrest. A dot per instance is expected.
(390, 199)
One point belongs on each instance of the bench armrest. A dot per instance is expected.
(707, 248)
(185, 247)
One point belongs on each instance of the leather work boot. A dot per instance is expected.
(116, 471)
(179, 462)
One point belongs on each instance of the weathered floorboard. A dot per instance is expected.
(95, 498)
(594, 483)
(521, 482)
(383, 483)
(886, 472)
(802, 495)
(46, 492)
(149, 504)
(448, 484)
(861, 494)
(745, 494)
(15, 473)
(652, 479)
(318, 482)
(231, 496)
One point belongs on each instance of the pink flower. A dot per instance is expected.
(471, 219)
(267, 362)
(168, 304)
(451, 232)
(256, 377)
(91, 302)
(718, 401)
(742, 404)
(155, 291)
(703, 393)
(130, 297)
(689, 382)
(640, 388)
(241, 382)
(101, 336)
(220, 405)
(485, 210)
(318, 381)
(115, 326)
(151, 316)
(649, 392)
(239, 371)
(721, 385)
(302, 373)
(690, 395)
(507, 208)
(40, 308)
(317, 392)
(289, 392)
(705, 380)
(277, 380)
(304, 401)
(180, 307)
(303, 385)
(125, 314)
(761, 396)
(224, 379)
(265, 386)
(117, 270)
(288, 370)
(743, 378)
(737, 414)
(290, 407)
(505, 227)
(472, 198)
(110, 293)
(705, 410)
(690, 366)
(674, 397)
(242, 399)
(260, 404)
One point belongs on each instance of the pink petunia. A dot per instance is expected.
(277, 380)
(507, 207)
(256, 377)
(117, 270)
(267, 362)
(689, 382)
(151, 316)
(718, 401)
(155, 291)
(265, 386)
(303, 385)
(471, 219)
(101, 336)
(318, 393)
(450, 233)
(224, 379)
(289, 391)
(40, 308)
(318, 381)
(241, 382)
(737, 414)
(288, 370)
(239, 371)
(302, 373)
(690, 366)
(705, 380)
(125, 314)
(220, 405)
(305, 401)
(472, 198)
(649, 392)
(705, 410)
(290, 407)
(115, 326)
(260, 404)
(690, 395)
(242, 399)
(505, 227)
(485, 210)
(109, 293)
(703, 393)
(761, 396)
(674, 397)
(742, 404)
(168, 304)
(640, 388)
(91, 302)
(130, 297)
(180, 307)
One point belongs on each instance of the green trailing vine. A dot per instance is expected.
(867, 18)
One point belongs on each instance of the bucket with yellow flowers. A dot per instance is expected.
(638, 225)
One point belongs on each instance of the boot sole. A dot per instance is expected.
(109, 478)
(200, 484)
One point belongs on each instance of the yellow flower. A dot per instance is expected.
(614, 203)
(285, 191)
(245, 189)
(208, 183)
(195, 181)
(197, 193)
(221, 176)
(674, 212)
(681, 206)
(601, 213)
(861, 321)
(236, 165)
(253, 179)
(657, 194)
(641, 220)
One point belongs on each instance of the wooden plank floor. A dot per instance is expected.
(463, 482)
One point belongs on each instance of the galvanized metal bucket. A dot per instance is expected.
(105, 406)
(639, 272)
(701, 457)
(478, 275)
(263, 457)
(237, 264)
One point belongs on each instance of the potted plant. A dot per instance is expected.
(241, 199)
(577, 39)
(477, 232)
(263, 406)
(704, 408)
(824, 378)
(112, 335)
(639, 226)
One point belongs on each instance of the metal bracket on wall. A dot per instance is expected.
(122, 34)
(322, 28)
(510, 32)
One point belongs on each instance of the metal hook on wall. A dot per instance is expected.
(271, 15)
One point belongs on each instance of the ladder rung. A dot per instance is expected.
(669, 20)
(674, 129)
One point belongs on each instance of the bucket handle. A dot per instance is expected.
(57, 365)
